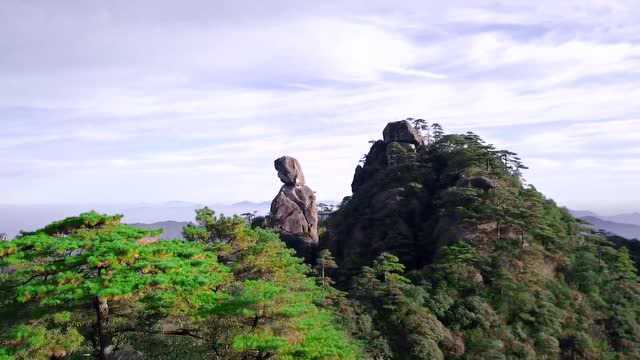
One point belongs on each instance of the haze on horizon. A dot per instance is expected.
(151, 101)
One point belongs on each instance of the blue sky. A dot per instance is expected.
(121, 101)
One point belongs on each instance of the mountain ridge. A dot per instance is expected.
(171, 230)
(629, 231)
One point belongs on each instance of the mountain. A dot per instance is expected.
(631, 218)
(170, 229)
(625, 225)
(260, 208)
(444, 253)
(14, 218)
(583, 213)
(628, 231)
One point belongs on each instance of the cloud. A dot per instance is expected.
(157, 100)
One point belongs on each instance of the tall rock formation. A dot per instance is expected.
(399, 147)
(478, 246)
(405, 197)
(402, 132)
(294, 212)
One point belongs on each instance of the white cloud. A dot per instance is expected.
(196, 100)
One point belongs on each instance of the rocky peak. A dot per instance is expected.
(289, 171)
(479, 182)
(294, 212)
(405, 198)
(400, 146)
(402, 132)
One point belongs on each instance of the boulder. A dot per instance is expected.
(294, 212)
(125, 353)
(375, 160)
(403, 132)
(289, 171)
(479, 182)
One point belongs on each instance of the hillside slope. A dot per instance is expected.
(446, 253)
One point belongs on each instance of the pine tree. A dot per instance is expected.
(437, 132)
(88, 264)
(422, 126)
(625, 268)
(212, 228)
(86, 283)
(325, 262)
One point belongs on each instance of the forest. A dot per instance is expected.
(443, 251)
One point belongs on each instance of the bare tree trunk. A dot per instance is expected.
(102, 312)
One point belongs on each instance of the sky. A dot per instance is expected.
(192, 100)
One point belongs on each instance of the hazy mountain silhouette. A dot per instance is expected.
(632, 218)
(170, 229)
(14, 218)
(629, 231)
(583, 213)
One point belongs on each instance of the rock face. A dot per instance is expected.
(294, 212)
(402, 132)
(124, 354)
(405, 202)
(289, 171)
(479, 182)
(399, 147)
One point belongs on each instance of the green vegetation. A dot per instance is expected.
(435, 266)
(90, 286)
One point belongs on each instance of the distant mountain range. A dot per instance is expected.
(14, 218)
(172, 216)
(625, 225)
(628, 231)
(170, 229)
(583, 213)
(633, 218)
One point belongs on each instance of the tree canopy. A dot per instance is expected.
(434, 266)
(90, 285)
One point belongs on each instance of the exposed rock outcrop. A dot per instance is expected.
(127, 353)
(294, 212)
(479, 182)
(399, 147)
(375, 161)
(407, 197)
(289, 171)
(402, 132)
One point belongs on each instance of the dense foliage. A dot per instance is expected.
(436, 267)
(88, 285)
